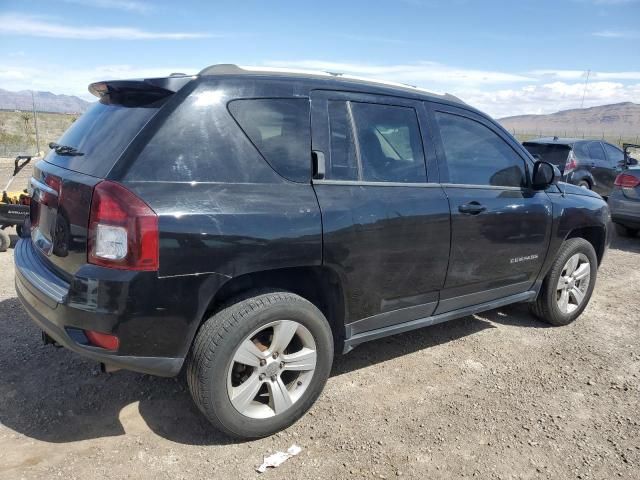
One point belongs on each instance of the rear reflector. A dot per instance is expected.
(625, 180)
(123, 230)
(103, 340)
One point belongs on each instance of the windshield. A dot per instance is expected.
(101, 135)
(553, 153)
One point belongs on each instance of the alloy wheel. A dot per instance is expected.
(573, 283)
(271, 369)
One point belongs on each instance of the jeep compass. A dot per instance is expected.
(241, 225)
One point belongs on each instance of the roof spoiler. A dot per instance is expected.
(154, 87)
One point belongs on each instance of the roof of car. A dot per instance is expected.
(556, 140)
(335, 78)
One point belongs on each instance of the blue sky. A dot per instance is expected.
(505, 57)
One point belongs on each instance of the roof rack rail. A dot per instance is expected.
(231, 69)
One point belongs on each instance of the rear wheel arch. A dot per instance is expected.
(319, 285)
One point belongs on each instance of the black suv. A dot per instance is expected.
(247, 224)
(591, 164)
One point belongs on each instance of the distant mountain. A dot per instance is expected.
(45, 102)
(611, 120)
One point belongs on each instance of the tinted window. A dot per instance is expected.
(280, 130)
(478, 156)
(101, 134)
(581, 151)
(595, 151)
(199, 141)
(390, 143)
(342, 162)
(614, 154)
(553, 153)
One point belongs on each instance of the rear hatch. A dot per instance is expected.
(554, 153)
(63, 183)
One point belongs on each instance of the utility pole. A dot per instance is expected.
(585, 88)
(35, 122)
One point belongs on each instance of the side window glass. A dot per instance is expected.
(390, 143)
(478, 156)
(596, 152)
(615, 155)
(280, 130)
(342, 157)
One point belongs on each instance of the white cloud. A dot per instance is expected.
(549, 97)
(582, 75)
(126, 5)
(413, 73)
(499, 94)
(624, 34)
(25, 25)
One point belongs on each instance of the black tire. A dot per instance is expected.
(5, 240)
(584, 184)
(545, 307)
(214, 347)
(625, 231)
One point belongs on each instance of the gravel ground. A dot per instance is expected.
(497, 395)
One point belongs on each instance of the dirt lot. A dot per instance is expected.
(492, 396)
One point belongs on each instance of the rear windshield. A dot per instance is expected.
(552, 153)
(101, 135)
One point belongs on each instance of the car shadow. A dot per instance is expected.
(56, 396)
(626, 244)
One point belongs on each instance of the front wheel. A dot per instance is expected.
(258, 365)
(568, 286)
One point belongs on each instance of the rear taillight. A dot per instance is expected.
(625, 180)
(123, 230)
(571, 164)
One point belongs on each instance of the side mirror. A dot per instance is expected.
(544, 175)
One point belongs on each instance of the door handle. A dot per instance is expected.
(472, 208)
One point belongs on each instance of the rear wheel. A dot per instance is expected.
(5, 240)
(258, 365)
(568, 286)
(624, 231)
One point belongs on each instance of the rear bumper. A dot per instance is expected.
(624, 210)
(46, 298)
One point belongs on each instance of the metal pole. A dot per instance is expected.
(585, 88)
(35, 122)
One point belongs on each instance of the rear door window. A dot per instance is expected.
(596, 152)
(390, 144)
(343, 164)
(101, 135)
(280, 129)
(614, 154)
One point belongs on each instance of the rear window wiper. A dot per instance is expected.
(65, 150)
